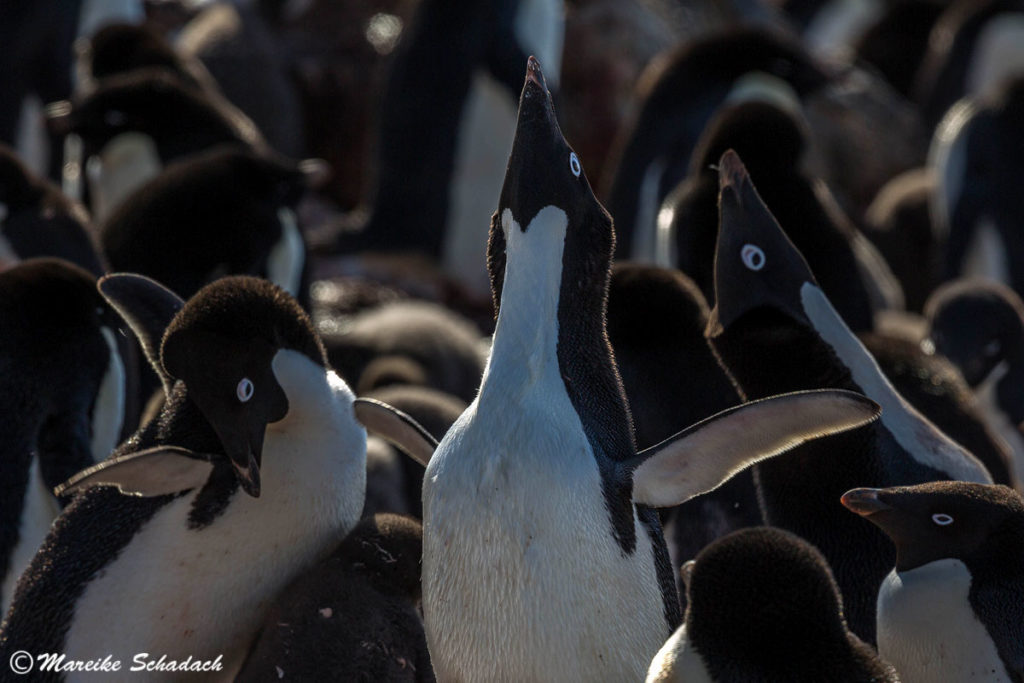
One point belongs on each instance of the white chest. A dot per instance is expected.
(928, 631)
(678, 662)
(522, 579)
(203, 593)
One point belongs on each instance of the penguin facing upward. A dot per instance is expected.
(774, 330)
(542, 557)
(353, 614)
(37, 219)
(763, 607)
(975, 156)
(63, 392)
(952, 609)
(132, 125)
(448, 110)
(256, 449)
(979, 326)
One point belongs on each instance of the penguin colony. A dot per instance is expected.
(724, 386)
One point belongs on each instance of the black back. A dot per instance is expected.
(353, 615)
(765, 608)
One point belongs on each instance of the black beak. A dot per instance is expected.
(865, 502)
(244, 448)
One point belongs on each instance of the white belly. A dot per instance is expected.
(678, 662)
(522, 579)
(203, 593)
(928, 631)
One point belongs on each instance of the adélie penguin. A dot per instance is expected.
(764, 608)
(254, 468)
(774, 330)
(62, 392)
(542, 558)
(953, 607)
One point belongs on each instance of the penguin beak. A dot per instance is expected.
(865, 502)
(244, 447)
(755, 263)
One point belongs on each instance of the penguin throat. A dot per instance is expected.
(526, 335)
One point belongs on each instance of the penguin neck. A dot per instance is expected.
(525, 347)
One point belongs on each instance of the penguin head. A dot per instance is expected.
(758, 271)
(546, 192)
(759, 600)
(386, 549)
(942, 519)
(977, 325)
(224, 345)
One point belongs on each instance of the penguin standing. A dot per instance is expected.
(953, 607)
(353, 615)
(448, 111)
(774, 330)
(763, 608)
(541, 557)
(253, 469)
(62, 392)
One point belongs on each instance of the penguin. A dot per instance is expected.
(125, 131)
(656, 321)
(895, 43)
(407, 342)
(775, 141)
(536, 499)
(774, 330)
(952, 609)
(37, 219)
(679, 95)
(225, 211)
(353, 615)
(764, 607)
(979, 326)
(254, 469)
(62, 395)
(449, 106)
(973, 49)
(975, 206)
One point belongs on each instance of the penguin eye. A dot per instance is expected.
(245, 389)
(942, 519)
(753, 257)
(992, 348)
(574, 164)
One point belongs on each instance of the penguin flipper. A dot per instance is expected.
(148, 307)
(397, 428)
(155, 471)
(702, 457)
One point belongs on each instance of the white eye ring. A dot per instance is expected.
(245, 389)
(574, 164)
(942, 519)
(753, 257)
